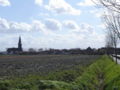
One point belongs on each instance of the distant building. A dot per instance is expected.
(16, 50)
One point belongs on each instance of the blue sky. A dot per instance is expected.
(51, 24)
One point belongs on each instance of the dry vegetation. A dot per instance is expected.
(40, 64)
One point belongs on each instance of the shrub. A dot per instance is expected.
(4, 85)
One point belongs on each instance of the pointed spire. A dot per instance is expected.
(20, 44)
(19, 39)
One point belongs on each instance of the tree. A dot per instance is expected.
(31, 50)
(40, 50)
(113, 5)
(113, 32)
(112, 20)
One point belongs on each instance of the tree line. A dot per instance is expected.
(87, 51)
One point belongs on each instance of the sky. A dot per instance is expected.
(55, 24)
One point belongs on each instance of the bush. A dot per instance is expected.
(4, 85)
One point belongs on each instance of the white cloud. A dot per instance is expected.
(20, 26)
(39, 2)
(71, 24)
(97, 12)
(37, 25)
(53, 24)
(95, 40)
(86, 3)
(11, 26)
(83, 28)
(61, 6)
(4, 24)
(102, 26)
(46, 27)
(87, 28)
(5, 3)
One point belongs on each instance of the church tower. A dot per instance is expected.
(20, 45)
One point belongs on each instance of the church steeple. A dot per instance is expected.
(20, 44)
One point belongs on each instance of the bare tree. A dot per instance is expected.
(113, 5)
(112, 22)
(113, 31)
(113, 17)
(109, 43)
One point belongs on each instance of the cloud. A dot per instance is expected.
(4, 25)
(5, 3)
(97, 12)
(62, 7)
(37, 25)
(39, 2)
(87, 28)
(70, 24)
(102, 26)
(11, 27)
(84, 28)
(86, 3)
(20, 26)
(46, 27)
(14, 27)
(53, 24)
